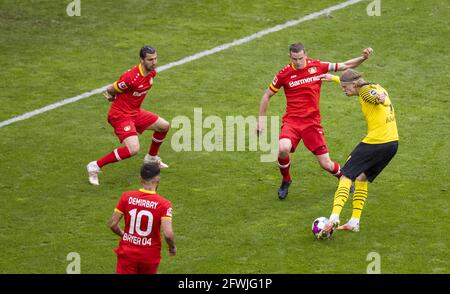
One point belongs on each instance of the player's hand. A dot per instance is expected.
(381, 97)
(260, 125)
(108, 96)
(367, 52)
(172, 251)
(326, 77)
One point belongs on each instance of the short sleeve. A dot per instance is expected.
(121, 206)
(166, 210)
(369, 94)
(123, 83)
(276, 84)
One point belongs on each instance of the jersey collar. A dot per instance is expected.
(306, 65)
(147, 191)
(140, 70)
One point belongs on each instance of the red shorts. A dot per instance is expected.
(130, 266)
(313, 137)
(125, 127)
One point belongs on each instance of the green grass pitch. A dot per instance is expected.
(227, 216)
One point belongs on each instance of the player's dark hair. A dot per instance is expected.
(147, 49)
(149, 171)
(297, 47)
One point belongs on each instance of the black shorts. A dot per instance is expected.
(369, 159)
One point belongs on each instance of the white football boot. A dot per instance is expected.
(93, 169)
(155, 159)
(352, 225)
(329, 227)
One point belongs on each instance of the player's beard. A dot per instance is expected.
(150, 67)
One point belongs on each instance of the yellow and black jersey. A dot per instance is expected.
(380, 117)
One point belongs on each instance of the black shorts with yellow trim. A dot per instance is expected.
(369, 159)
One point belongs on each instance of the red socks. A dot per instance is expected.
(116, 155)
(285, 164)
(123, 152)
(157, 139)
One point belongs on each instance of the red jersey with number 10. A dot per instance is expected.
(143, 211)
(132, 87)
(302, 90)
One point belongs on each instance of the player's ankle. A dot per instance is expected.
(334, 218)
(353, 222)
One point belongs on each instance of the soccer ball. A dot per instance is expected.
(317, 226)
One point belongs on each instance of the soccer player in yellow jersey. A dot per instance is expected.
(371, 155)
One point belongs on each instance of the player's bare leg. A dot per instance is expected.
(331, 166)
(327, 164)
(160, 128)
(133, 145)
(284, 163)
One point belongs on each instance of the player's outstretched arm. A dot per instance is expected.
(166, 225)
(330, 78)
(110, 93)
(264, 105)
(354, 62)
(113, 223)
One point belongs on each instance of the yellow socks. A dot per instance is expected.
(341, 195)
(359, 198)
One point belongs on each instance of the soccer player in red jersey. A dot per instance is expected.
(301, 82)
(145, 212)
(128, 118)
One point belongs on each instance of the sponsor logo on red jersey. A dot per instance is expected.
(122, 86)
(312, 70)
(138, 94)
(303, 81)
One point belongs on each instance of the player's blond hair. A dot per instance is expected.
(351, 76)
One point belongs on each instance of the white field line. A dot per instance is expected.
(187, 59)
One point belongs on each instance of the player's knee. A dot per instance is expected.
(362, 178)
(283, 149)
(166, 126)
(163, 126)
(282, 154)
(133, 148)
